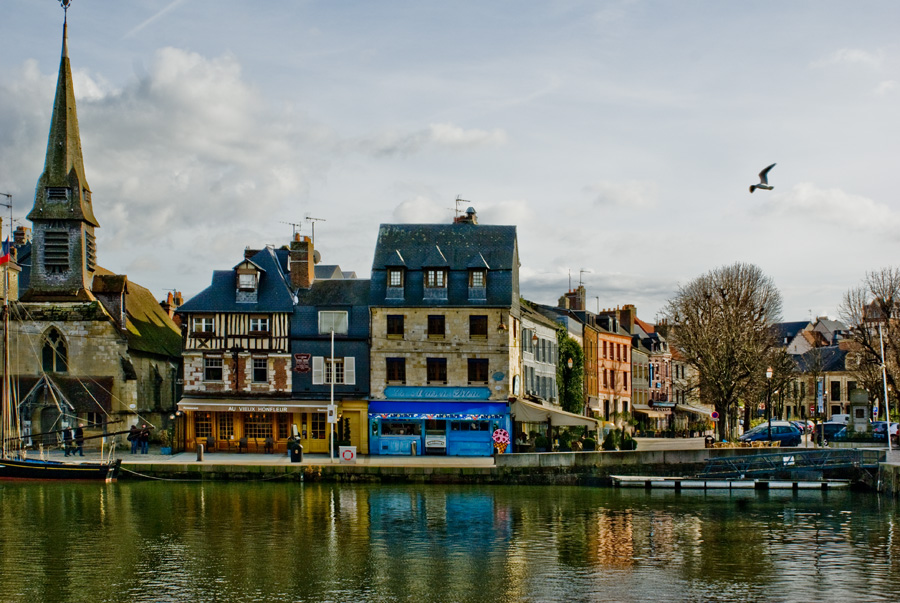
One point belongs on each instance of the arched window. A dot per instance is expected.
(54, 356)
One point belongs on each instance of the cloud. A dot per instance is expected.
(631, 193)
(835, 207)
(886, 87)
(444, 135)
(853, 57)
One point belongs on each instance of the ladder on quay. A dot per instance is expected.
(799, 460)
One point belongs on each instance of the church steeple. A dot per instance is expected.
(64, 254)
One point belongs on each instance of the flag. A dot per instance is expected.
(4, 258)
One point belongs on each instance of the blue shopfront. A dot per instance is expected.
(452, 421)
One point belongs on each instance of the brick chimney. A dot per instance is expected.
(22, 235)
(302, 262)
(574, 299)
(626, 316)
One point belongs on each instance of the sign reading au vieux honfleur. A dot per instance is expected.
(258, 409)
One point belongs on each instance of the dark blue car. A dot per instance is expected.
(782, 432)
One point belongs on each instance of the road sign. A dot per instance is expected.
(715, 416)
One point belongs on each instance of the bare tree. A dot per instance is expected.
(723, 327)
(872, 311)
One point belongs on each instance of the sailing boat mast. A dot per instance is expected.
(8, 414)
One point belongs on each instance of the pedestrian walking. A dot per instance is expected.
(134, 436)
(79, 440)
(67, 440)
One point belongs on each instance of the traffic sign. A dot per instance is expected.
(715, 416)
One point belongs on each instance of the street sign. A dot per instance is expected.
(332, 413)
(715, 416)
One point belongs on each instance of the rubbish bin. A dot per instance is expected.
(297, 454)
(708, 441)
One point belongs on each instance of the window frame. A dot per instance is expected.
(257, 364)
(399, 281)
(436, 370)
(395, 327)
(433, 321)
(262, 324)
(475, 275)
(478, 367)
(435, 278)
(478, 326)
(212, 365)
(395, 367)
(326, 316)
(207, 324)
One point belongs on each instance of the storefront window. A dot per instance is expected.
(226, 425)
(400, 428)
(470, 426)
(435, 427)
(284, 421)
(317, 425)
(202, 425)
(258, 426)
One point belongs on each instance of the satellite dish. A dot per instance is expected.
(317, 257)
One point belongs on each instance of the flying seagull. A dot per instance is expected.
(763, 180)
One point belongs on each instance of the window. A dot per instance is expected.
(395, 326)
(836, 390)
(478, 370)
(395, 277)
(436, 370)
(436, 278)
(212, 368)
(332, 321)
(604, 349)
(259, 325)
(204, 325)
(258, 426)
(476, 279)
(202, 425)
(344, 370)
(478, 326)
(54, 355)
(247, 282)
(260, 370)
(226, 425)
(436, 326)
(317, 425)
(396, 369)
(282, 422)
(95, 419)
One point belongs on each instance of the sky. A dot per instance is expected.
(619, 137)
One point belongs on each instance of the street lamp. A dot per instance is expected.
(769, 400)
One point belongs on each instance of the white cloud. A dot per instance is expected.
(446, 135)
(630, 193)
(886, 87)
(835, 207)
(853, 56)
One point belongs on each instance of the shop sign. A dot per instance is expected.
(399, 392)
(301, 363)
(257, 409)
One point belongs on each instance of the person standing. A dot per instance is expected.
(134, 436)
(79, 440)
(67, 440)
(145, 439)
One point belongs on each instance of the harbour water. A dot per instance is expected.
(271, 541)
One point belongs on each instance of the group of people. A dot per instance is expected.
(73, 440)
(139, 438)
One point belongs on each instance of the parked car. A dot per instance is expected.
(878, 429)
(829, 429)
(783, 432)
(803, 426)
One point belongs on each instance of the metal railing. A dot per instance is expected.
(800, 460)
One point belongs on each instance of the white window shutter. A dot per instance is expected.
(350, 370)
(318, 370)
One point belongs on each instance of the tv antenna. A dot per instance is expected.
(313, 222)
(580, 273)
(457, 210)
(295, 226)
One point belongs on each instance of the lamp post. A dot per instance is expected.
(769, 400)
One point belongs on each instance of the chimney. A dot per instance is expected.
(469, 218)
(22, 235)
(172, 303)
(626, 316)
(302, 263)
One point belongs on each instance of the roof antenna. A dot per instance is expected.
(313, 221)
(295, 226)
(580, 273)
(458, 211)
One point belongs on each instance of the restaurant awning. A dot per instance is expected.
(529, 412)
(249, 405)
(646, 410)
(694, 409)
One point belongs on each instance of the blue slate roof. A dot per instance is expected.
(456, 247)
(828, 359)
(273, 293)
(786, 331)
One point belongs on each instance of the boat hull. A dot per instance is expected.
(34, 469)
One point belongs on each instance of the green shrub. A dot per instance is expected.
(589, 444)
(541, 442)
(611, 441)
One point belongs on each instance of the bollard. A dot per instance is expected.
(199, 452)
(412, 449)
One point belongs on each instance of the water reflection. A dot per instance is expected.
(152, 541)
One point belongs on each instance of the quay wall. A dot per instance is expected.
(560, 468)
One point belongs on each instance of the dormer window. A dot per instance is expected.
(395, 282)
(247, 282)
(477, 279)
(436, 278)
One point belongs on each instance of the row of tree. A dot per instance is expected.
(723, 326)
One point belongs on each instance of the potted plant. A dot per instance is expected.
(611, 442)
(589, 444)
(541, 444)
(165, 442)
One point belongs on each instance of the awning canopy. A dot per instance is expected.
(694, 409)
(249, 405)
(529, 412)
(646, 410)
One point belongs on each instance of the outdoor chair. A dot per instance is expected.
(210, 444)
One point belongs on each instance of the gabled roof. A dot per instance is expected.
(417, 246)
(786, 331)
(341, 292)
(829, 359)
(273, 292)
